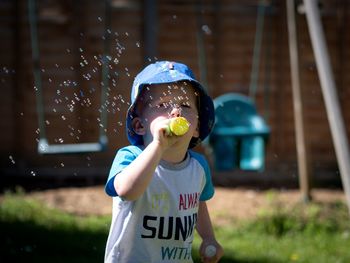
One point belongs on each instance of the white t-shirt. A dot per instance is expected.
(159, 226)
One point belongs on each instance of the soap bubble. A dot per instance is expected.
(206, 29)
(11, 159)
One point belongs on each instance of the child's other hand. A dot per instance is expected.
(208, 258)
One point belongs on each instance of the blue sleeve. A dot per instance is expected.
(208, 190)
(123, 158)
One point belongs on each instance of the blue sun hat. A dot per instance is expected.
(164, 72)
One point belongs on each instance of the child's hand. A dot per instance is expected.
(160, 132)
(210, 251)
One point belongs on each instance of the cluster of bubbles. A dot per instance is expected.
(92, 68)
(65, 102)
(68, 95)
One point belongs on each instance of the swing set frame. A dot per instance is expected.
(44, 147)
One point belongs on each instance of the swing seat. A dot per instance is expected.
(45, 148)
(239, 135)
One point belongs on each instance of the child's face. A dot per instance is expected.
(167, 101)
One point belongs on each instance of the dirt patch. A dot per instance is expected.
(238, 204)
(234, 203)
(80, 201)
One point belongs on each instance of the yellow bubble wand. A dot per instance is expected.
(178, 126)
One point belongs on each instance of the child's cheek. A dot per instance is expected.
(192, 118)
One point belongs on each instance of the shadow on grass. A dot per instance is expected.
(233, 259)
(30, 242)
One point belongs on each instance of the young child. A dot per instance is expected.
(159, 186)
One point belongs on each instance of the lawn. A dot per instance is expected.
(32, 232)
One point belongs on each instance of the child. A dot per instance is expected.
(159, 186)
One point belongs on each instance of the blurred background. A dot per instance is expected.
(67, 68)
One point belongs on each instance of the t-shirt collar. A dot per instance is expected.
(175, 166)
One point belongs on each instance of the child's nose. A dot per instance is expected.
(175, 112)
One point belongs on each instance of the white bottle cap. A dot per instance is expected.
(210, 251)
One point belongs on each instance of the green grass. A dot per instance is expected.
(31, 232)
